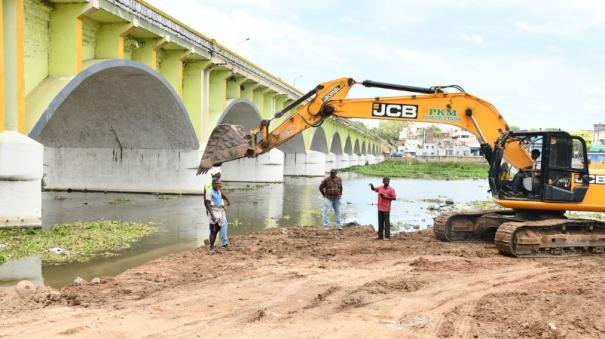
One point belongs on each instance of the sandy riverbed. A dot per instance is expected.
(305, 282)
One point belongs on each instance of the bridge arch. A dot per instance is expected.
(245, 113)
(336, 145)
(241, 112)
(319, 142)
(118, 126)
(348, 149)
(116, 104)
(356, 149)
(363, 148)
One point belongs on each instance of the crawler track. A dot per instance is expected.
(551, 237)
(469, 226)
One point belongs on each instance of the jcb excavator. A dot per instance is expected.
(534, 221)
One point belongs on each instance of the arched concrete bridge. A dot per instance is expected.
(115, 95)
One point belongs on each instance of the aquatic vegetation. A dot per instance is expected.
(118, 201)
(423, 170)
(81, 241)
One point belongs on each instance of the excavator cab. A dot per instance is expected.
(558, 174)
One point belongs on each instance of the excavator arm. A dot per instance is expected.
(433, 105)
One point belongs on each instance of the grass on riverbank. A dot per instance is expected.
(83, 240)
(423, 170)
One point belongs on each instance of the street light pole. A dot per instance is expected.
(296, 78)
(241, 42)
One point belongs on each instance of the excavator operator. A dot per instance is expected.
(527, 172)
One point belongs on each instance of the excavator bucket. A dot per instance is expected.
(226, 143)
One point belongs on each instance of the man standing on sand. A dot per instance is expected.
(386, 194)
(213, 200)
(216, 174)
(331, 190)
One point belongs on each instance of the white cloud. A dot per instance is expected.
(473, 38)
(538, 29)
(349, 20)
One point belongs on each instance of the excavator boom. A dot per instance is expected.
(328, 99)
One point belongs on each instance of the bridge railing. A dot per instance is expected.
(161, 20)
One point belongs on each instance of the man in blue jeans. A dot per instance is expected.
(331, 190)
(216, 175)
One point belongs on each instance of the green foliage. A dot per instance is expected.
(83, 240)
(389, 130)
(586, 135)
(423, 170)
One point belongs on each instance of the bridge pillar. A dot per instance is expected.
(193, 87)
(172, 69)
(265, 168)
(309, 164)
(247, 90)
(20, 156)
(258, 97)
(371, 159)
(20, 180)
(330, 162)
(268, 104)
(234, 86)
(363, 159)
(342, 160)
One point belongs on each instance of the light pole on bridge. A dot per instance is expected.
(296, 78)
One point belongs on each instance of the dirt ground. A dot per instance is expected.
(306, 283)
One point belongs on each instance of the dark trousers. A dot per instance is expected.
(517, 181)
(384, 224)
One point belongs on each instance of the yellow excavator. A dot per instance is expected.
(533, 222)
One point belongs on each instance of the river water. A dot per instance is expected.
(183, 223)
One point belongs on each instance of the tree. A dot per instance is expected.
(586, 135)
(389, 130)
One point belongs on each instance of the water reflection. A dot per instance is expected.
(183, 221)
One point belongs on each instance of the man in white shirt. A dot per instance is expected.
(528, 171)
(216, 175)
(213, 200)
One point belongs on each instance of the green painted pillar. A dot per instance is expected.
(65, 52)
(247, 91)
(147, 51)
(193, 92)
(268, 104)
(2, 74)
(234, 84)
(217, 95)
(257, 97)
(110, 40)
(280, 103)
(172, 69)
(13, 77)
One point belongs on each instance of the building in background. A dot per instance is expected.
(597, 150)
(431, 141)
(598, 134)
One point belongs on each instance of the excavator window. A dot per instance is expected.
(567, 166)
(508, 182)
(561, 175)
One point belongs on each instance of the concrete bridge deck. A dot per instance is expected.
(115, 95)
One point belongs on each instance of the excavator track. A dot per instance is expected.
(551, 237)
(469, 226)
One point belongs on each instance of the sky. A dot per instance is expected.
(540, 62)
